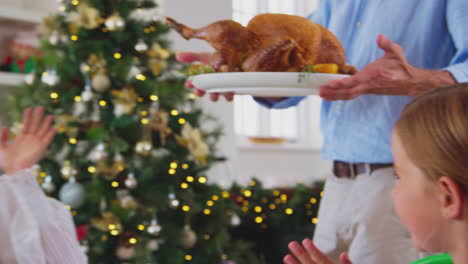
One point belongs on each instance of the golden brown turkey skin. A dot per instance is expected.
(270, 42)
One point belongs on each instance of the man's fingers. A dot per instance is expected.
(199, 92)
(388, 46)
(214, 97)
(300, 253)
(344, 258)
(4, 132)
(289, 259)
(187, 57)
(27, 113)
(189, 84)
(36, 119)
(344, 83)
(229, 97)
(46, 126)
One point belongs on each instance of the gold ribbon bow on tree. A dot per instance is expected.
(192, 139)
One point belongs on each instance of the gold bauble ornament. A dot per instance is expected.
(115, 22)
(188, 238)
(101, 82)
(143, 148)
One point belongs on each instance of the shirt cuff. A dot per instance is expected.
(459, 71)
(288, 102)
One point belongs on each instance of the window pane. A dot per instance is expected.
(283, 123)
(246, 116)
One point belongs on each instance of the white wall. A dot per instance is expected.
(273, 167)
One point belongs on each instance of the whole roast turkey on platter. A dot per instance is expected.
(270, 42)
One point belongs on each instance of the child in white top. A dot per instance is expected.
(34, 229)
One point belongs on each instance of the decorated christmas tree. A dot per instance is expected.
(132, 149)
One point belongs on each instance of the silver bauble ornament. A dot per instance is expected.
(235, 220)
(72, 193)
(54, 38)
(188, 238)
(101, 82)
(125, 253)
(141, 46)
(68, 171)
(98, 153)
(131, 182)
(173, 202)
(153, 245)
(115, 22)
(48, 185)
(154, 228)
(143, 148)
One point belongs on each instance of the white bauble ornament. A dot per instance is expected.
(98, 153)
(143, 148)
(173, 202)
(119, 109)
(54, 38)
(125, 253)
(154, 228)
(72, 193)
(153, 245)
(131, 182)
(68, 171)
(141, 46)
(235, 220)
(101, 82)
(48, 185)
(30, 78)
(115, 22)
(188, 238)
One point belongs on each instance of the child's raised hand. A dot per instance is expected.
(30, 144)
(308, 253)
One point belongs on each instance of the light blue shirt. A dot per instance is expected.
(434, 35)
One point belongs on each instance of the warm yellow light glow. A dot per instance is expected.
(91, 169)
(102, 103)
(144, 121)
(77, 98)
(174, 112)
(184, 185)
(172, 171)
(115, 184)
(54, 95)
(182, 121)
(225, 194)
(75, 2)
(247, 193)
(207, 211)
(215, 197)
(190, 179)
(289, 211)
(141, 227)
(210, 203)
(192, 96)
(313, 200)
(117, 55)
(154, 97)
(72, 141)
(173, 165)
(314, 220)
(258, 209)
(202, 180)
(114, 232)
(272, 206)
(185, 208)
(188, 257)
(132, 240)
(258, 220)
(111, 226)
(140, 77)
(276, 193)
(74, 37)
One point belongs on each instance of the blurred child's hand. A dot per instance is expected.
(308, 253)
(30, 144)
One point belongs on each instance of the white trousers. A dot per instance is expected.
(357, 216)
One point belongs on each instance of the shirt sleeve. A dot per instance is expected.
(35, 229)
(457, 21)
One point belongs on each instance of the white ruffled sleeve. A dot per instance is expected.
(34, 229)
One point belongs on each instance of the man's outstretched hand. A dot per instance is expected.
(203, 57)
(30, 144)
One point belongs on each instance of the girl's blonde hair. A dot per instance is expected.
(433, 129)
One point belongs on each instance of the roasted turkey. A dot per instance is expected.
(270, 42)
